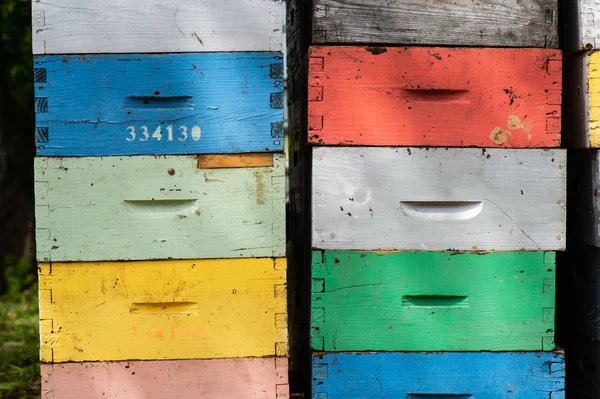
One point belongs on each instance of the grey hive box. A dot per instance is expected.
(509, 23)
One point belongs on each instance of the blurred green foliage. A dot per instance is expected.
(19, 320)
(19, 344)
(15, 51)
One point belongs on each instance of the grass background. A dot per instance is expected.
(19, 334)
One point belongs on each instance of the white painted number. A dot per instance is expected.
(131, 132)
(145, 133)
(157, 134)
(196, 132)
(183, 133)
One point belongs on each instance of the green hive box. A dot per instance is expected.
(433, 301)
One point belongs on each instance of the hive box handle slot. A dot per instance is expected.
(431, 301)
(162, 308)
(436, 96)
(441, 210)
(161, 207)
(439, 396)
(157, 102)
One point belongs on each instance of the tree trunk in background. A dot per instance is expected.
(17, 148)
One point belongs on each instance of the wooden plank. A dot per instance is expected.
(298, 216)
(137, 208)
(234, 161)
(507, 23)
(144, 104)
(433, 301)
(374, 198)
(581, 19)
(194, 309)
(117, 26)
(423, 96)
(512, 375)
(249, 378)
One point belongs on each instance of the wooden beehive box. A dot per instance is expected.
(137, 208)
(137, 26)
(136, 104)
(163, 310)
(432, 301)
(484, 23)
(436, 199)
(439, 375)
(420, 96)
(248, 378)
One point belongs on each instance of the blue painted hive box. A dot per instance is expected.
(142, 104)
(466, 375)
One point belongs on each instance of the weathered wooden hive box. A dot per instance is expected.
(419, 96)
(437, 199)
(136, 208)
(512, 23)
(99, 105)
(252, 378)
(158, 310)
(432, 301)
(137, 26)
(508, 375)
(160, 199)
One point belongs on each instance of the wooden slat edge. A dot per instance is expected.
(220, 161)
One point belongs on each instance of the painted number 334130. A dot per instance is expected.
(180, 134)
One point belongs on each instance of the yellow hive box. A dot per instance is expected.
(184, 309)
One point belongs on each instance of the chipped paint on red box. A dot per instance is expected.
(442, 97)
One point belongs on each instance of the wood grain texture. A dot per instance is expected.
(202, 103)
(582, 17)
(298, 216)
(505, 23)
(512, 375)
(593, 86)
(131, 26)
(445, 97)
(159, 310)
(375, 198)
(234, 161)
(250, 378)
(137, 208)
(433, 301)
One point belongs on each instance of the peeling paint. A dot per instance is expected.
(500, 136)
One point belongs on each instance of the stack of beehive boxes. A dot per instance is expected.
(434, 217)
(580, 324)
(160, 199)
